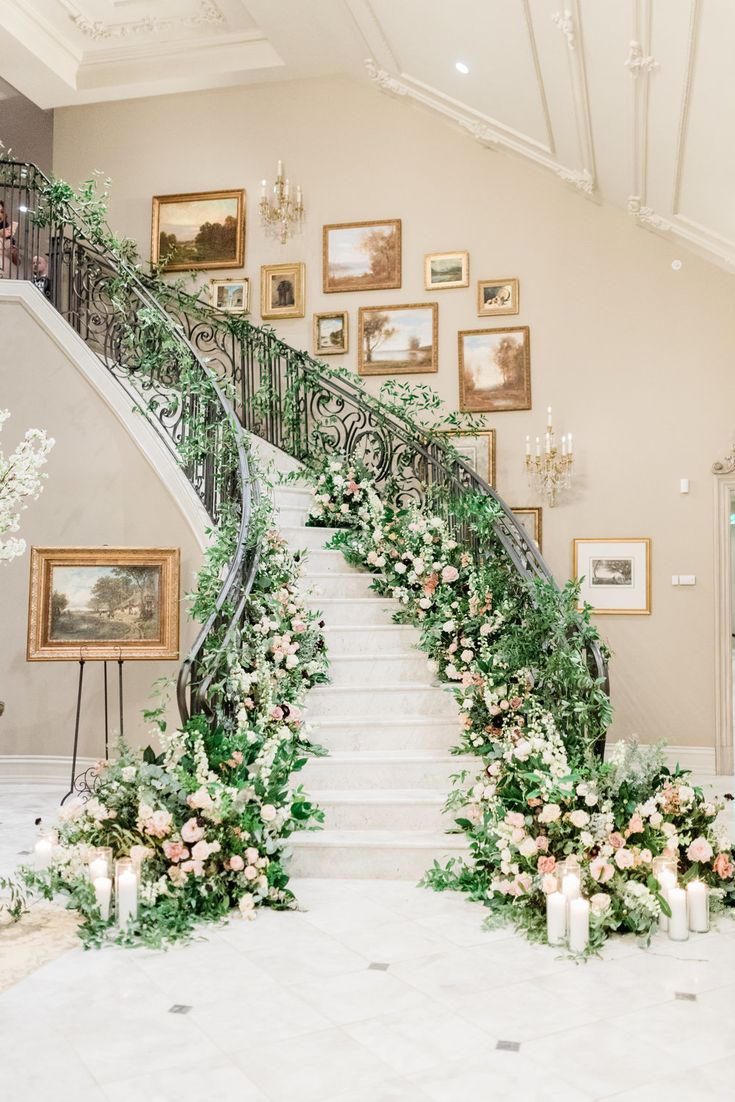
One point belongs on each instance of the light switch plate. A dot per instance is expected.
(687, 579)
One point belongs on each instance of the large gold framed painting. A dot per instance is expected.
(199, 231)
(362, 256)
(101, 603)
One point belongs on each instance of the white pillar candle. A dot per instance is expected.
(564, 445)
(548, 444)
(127, 896)
(678, 923)
(298, 194)
(570, 886)
(556, 918)
(42, 853)
(667, 881)
(697, 908)
(548, 417)
(538, 447)
(103, 894)
(97, 868)
(263, 186)
(280, 169)
(579, 925)
(569, 441)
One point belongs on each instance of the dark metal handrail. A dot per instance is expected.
(102, 297)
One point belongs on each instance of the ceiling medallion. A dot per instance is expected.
(208, 14)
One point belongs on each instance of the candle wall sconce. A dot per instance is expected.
(281, 214)
(550, 468)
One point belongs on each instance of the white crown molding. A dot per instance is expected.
(583, 179)
(682, 133)
(638, 61)
(640, 64)
(208, 14)
(384, 81)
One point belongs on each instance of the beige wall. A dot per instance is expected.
(634, 356)
(26, 131)
(100, 490)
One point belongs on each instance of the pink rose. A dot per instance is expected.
(251, 873)
(450, 574)
(645, 857)
(616, 840)
(175, 850)
(624, 858)
(723, 866)
(237, 757)
(236, 863)
(601, 870)
(546, 864)
(200, 799)
(202, 850)
(542, 843)
(276, 712)
(298, 627)
(192, 866)
(700, 850)
(251, 855)
(635, 826)
(515, 819)
(191, 831)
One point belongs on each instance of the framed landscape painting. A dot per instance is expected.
(103, 603)
(282, 291)
(231, 296)
(494, 370)
(497, 296)
(398, 340)
(477, 450)
(199, 231)
(362, 256)
(445, 270)
(614, 574)
(330, 334)
(529, 518)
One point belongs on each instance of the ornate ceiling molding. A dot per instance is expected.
(641, 64)
(208, 14)
(584, 180)
(726, 465)
(638, 62)
(383, 79)
(564, 20)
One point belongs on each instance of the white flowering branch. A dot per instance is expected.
(20, 479)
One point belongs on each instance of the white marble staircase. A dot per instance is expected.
(387, 726)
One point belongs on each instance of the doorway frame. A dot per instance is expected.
(725, 733)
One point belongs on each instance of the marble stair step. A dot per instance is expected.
(384, 669)
(340, 586)
(385, 809)
(358, 639)
(343, 611)
(293, 497)
(298, 536)
(372, 854)
(381, 702)
(290, 515)
(370, 769)
(331, 562)
(342, 733)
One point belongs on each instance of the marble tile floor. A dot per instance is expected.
(376, 991)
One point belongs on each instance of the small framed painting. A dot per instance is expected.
(362, 256)
(494, 370)
(530, 520)
(198, 231)
(102, 603)
(398, 340)
(497, 296)
(330, 334)
(445, 270)
(282, 291)
(477, 450)
(231, 296)
(615, 575)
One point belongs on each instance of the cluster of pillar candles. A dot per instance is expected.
(101, 869)
(568, 914)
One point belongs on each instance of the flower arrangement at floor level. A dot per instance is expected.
(206, 821)
(531, 714)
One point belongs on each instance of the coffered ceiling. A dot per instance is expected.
(627, 101)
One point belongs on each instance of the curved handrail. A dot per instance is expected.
(103, 297)
(254, 358)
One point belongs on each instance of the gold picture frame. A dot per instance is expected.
(616, 570)
(282, 291)
(230, 296)
(102, 603)
(331, 339)
(218, 243)
(361, 256)
(443, 271)
(494, 369)
(462, 442)
(420, 319)
(498, 296)
(534, 513)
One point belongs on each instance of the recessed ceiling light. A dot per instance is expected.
(461, 67)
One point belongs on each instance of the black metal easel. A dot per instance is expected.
(81, 783)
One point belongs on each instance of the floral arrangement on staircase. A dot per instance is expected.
(532, 717)
(206, 820)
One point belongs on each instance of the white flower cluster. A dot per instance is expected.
(20, 479)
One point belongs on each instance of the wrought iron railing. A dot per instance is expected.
(150, 356)
(279, 394)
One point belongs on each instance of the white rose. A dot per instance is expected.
(549, 813)
(579, 819)
(448, 625)
(268, 813)
(522, 750)
(656, 819)
(400, 568)
(128, 772)
(467, 655)
(527, 848)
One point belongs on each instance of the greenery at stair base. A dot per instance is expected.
(532, 715)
